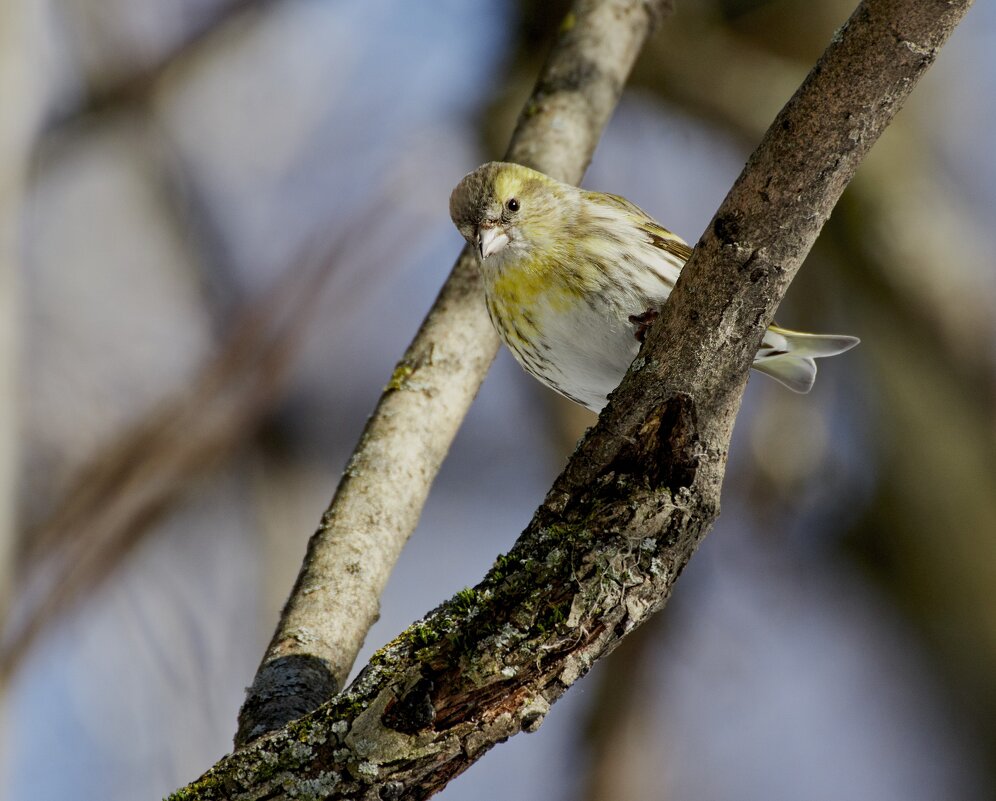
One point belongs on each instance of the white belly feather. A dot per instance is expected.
(583, 350)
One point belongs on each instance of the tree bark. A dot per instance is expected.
(603, 551)
(336, 598)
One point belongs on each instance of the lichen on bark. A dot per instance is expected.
(603, 551)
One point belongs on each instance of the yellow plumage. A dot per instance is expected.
(572, 278)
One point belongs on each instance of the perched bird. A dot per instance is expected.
(574, 278)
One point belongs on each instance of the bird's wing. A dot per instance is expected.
(662, 238)
(659, 236)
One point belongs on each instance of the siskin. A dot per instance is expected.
(574, 278)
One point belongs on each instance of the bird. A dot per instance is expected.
(573, 278)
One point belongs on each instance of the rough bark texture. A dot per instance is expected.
(603, 551)
(380, 497)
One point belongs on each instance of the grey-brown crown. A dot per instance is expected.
(470, 199)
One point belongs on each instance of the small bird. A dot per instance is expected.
(573, 279)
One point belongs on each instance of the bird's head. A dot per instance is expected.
(505, 209)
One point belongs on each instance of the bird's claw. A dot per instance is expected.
(643, 322)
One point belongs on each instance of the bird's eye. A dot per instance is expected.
(512, 204)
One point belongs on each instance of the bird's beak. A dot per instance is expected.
(490, 239)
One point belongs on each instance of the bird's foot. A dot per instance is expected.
(643, 322)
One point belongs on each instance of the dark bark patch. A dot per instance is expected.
(665, 450)
(470, 703)
(643, 322)
(285, 689)
(727, 227)
(414, 712)
(582, 75)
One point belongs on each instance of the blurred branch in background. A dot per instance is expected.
(928, 536)
(24, 57)
(109, 507)
(117, 496)
(621, 735)
(125, 48)
(135, 479)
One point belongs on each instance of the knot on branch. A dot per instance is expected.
(285, 689)
(414, 712)
(727, 227)
(578, 77)
(665, 449)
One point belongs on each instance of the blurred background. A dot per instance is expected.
(221, 221)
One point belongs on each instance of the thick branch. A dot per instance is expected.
(381, 495)
(945, 306)
(603, 551)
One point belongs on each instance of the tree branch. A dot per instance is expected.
(944, 305)
(23, 62)
(603, 551)
(132, 80)
(380, 497)
(115, 498)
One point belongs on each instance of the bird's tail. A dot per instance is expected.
(787, 356)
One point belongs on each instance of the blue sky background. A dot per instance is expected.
(780, 671)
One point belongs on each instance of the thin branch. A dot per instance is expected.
(603, 551)
(380, 497)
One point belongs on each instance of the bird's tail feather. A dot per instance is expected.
(787, 356)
